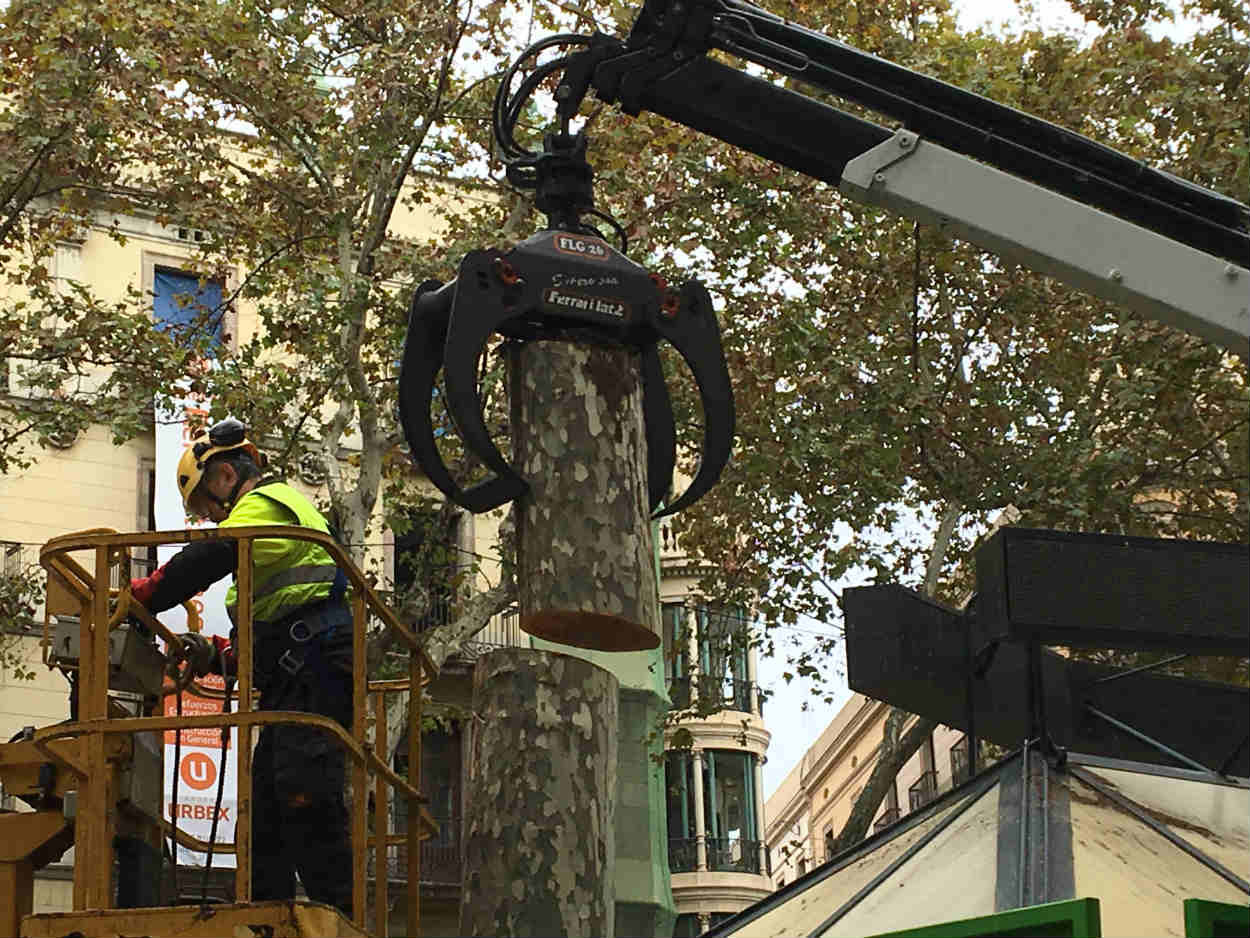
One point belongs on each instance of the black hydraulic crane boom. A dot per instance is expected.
(663, 67)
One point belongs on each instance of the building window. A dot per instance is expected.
(802, 866)
(679, 796)
(891, 812)
(724, 646)
(185, 306)
(854, 760)
(729, 811)
(959, 761)
(441, 773)
(676, 654)
(922, 791)
(828, 842)
(12, 558)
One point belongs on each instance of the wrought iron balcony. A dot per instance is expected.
(440, 854)
(683, 855)
(440, 862)
(922, 790)
(733, 855)
(730, 694)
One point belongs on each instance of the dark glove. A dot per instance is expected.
(199, 652)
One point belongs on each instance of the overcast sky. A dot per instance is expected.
(793, 716)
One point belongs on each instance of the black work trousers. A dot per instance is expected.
(299, 820)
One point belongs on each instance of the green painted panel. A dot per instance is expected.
(1074, 918)
(1207, 919)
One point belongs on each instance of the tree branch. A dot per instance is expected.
(941, 540)
(477, 612)
(891, 757)
(13, 216)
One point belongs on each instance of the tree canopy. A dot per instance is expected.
(879, 367)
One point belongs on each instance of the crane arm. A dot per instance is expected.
(1010, 182)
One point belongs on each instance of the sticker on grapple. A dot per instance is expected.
(573, 302)
(579, 246)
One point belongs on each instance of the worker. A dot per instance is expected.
(302, 629)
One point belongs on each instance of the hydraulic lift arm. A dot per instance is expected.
(1012, 183)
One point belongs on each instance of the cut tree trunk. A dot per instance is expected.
(585, 561)
(539, 831)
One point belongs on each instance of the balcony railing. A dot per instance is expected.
(440, 862)
(887, 818)
(742, 696)
(440, 854)
(922, 790)
(669, 548)
(733, 855)
(683, 855)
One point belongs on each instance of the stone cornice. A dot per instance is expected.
(685, 567)
(712, 886)
(725, 730)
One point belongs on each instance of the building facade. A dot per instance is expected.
(713, 778)
(813, 802)
(87, 481)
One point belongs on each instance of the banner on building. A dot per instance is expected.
(198, 760)
(195, 760)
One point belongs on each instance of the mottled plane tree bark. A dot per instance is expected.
(540, 838)
(538, 849)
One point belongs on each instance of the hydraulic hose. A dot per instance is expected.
(221, 781)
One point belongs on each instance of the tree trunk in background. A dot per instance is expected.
(896, 749)
(893, 755)
(539, 831)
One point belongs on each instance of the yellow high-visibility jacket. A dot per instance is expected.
(286, 573)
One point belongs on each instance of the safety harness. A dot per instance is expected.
(287, 645)
(298, 640)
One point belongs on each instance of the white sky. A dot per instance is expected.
(793, 715)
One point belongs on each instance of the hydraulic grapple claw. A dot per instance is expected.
(556, 285)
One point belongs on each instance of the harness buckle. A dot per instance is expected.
(300, 631)
(290, 664)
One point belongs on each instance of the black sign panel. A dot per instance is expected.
(913, 653)
(1109, 591)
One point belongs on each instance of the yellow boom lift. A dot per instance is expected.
(99, 776)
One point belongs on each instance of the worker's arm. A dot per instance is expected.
(188, 572)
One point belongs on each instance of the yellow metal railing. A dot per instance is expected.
(103, 609)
